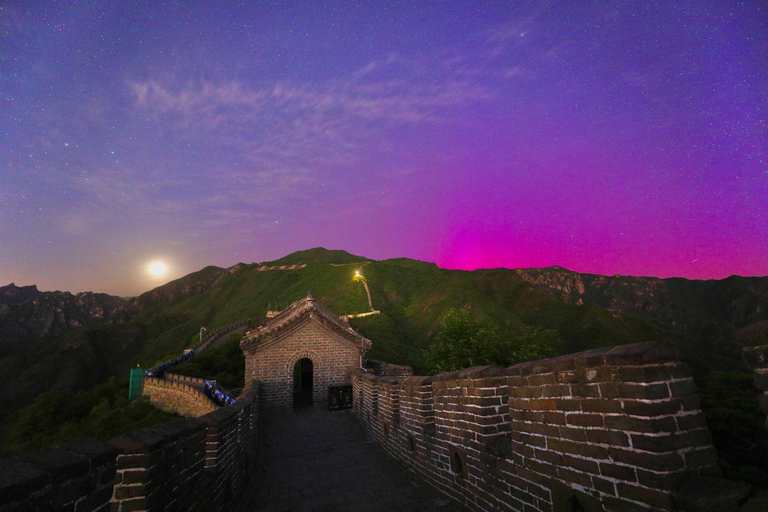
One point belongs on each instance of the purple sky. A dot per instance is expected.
(622, 137)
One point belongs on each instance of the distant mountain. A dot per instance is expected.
(706, 313)
(26, 312)
(318, 255)
(413, 296)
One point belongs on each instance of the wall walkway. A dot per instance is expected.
(178, 393)
(320, 460)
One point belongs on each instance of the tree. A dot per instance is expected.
(464, 342)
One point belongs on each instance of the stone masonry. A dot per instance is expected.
(754, 351)
(303, 330)
(178, 393)
(616, 429)
(190, 464)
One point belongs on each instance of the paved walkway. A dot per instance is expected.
(324, 461)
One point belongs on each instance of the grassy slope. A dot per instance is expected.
(413, 296)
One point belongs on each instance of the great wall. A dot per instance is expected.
(615, 429)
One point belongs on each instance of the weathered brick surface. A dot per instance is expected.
(754, 350)
(616, 429)
(177, 393)
(76, 475)
(191, 464)
(332, 356)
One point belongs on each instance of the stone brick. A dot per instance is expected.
(683, 387)
(671, 442)
(623, 390)
(619, 472)
(543, 404)
(567, 404)
(584, 420)
(662, 481)
(604, 486)
(653, 373)
(652, 497)
(573, 434)
(643, 353)
(664, 408)
(610, 437)
(583, 465)
(655, 462)
(584, 390)
(585, 450)
(629, 424)
(601, 405)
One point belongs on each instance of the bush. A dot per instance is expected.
(464, 342)
(224, 363)
(102, 412)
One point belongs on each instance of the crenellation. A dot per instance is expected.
(615, 426)
(612, 429)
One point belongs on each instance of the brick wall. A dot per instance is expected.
(74, 476)
(616, 429)
(332, 358)
(386, 369)
(178, 393)
(190, 464)
(754, 350)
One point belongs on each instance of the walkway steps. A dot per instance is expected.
(324, 462)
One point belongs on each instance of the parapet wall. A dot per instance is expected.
(615, 429)
(178, 393)
(754, 351)
(190, 464)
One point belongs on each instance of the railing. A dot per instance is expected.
(157, 371)
(219, 332)
(217, 396)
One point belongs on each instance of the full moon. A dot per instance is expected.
(157, 268)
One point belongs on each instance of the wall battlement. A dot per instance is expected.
(178, 393)
(615, 429)
(190, 464)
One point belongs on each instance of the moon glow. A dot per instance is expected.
(157, 268)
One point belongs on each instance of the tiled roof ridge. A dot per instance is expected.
(294, 312)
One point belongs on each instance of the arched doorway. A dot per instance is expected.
(573, 505)
(302, 383)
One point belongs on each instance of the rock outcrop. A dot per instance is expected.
(26, 312)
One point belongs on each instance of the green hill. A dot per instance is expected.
(413, 296)
(89, 366)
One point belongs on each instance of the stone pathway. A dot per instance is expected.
(324, 461)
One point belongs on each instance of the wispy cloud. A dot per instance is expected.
(292, 136)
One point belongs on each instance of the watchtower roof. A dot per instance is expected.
(293, 314)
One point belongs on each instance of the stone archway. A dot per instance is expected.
(302, 372)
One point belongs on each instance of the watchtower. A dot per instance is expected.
(301, 352)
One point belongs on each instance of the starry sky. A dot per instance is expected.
(611, 137)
